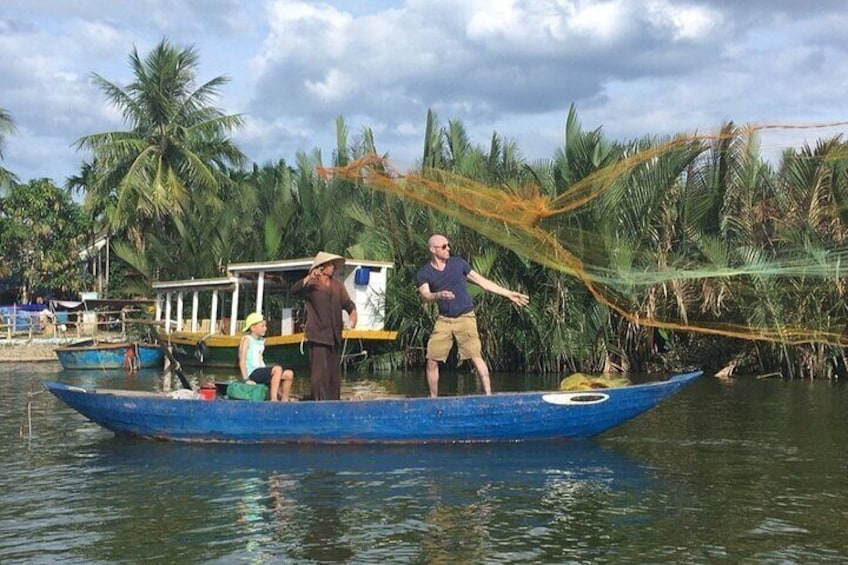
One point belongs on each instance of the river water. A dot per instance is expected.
(742, 472)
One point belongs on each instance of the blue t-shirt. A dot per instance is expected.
(453, 279)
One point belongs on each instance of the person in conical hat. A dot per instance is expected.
(252, 361)
(325, 298)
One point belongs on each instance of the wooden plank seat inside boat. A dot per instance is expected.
(354, 393)
(128, 392)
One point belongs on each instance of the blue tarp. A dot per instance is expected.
(21, 317)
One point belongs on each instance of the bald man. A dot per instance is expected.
(443, 280)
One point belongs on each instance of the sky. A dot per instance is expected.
(630, 67)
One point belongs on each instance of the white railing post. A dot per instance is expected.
(213, 317)
(167, 312)
(180, 306)
(234, 310)
(194, 304)
(260, 291)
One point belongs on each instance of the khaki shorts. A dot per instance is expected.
(462, 329)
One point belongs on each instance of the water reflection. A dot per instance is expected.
(328, 504)
(114, 378)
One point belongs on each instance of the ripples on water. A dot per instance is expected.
(747, 472)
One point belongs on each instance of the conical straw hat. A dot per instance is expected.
(323, 258)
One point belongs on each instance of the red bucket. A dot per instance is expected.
(207, 392)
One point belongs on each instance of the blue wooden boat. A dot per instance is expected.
(507, 417)
(110, 355)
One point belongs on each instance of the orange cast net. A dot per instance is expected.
(788, 255)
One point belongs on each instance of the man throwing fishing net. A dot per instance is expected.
(443, 280)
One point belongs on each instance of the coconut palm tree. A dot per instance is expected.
(7, 126)
(174, 153)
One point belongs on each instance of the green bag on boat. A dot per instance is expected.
(246, 391)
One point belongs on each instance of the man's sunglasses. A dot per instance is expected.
(443, 247)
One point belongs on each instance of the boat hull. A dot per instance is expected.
(503, 417)
(221, 351)
(109, 356)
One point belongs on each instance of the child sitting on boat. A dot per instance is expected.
(252, 363)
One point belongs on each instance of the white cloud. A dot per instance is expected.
(686, 21)
(100, 37)
(335, 86)
(634, 67)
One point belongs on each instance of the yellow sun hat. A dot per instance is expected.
(252, 319)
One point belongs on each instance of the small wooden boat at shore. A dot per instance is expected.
(110, 355)
(502, 417)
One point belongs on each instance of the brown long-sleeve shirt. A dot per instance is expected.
(324, 307)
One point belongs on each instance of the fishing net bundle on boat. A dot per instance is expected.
(582, 382)
(697, 233)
